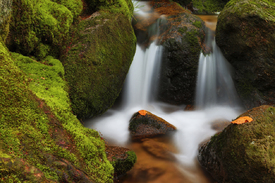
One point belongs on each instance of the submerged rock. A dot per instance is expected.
(244, 152)
(158, 149)
(121, 158)
(245, 34)
(145, 124)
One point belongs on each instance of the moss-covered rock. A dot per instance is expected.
(40, 139)
(182, 38)
(208, 6)
(245, 34)
(245, 152)
(97, 60)
(41, 26)
(122, 159)
(145, 124)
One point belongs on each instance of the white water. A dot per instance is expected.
(214, 82)
(193, 127)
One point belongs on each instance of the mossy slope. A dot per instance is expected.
(39, 145)
(245, 34)
(209, 6)
(243, 153)
(97, 60)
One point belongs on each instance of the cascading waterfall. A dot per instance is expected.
(214, 83)
(215, 88)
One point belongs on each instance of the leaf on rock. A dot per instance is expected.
(142, 112)
(241, 120)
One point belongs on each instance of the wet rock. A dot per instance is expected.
(158, 149)
(244, 152)
(121, 158)
(145, 124)
(245, 34)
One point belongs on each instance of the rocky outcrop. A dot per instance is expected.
(243, 152)
(245, 34)
(97, 60)
(145, 124)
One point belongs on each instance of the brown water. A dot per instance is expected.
(152, 169)
(210, 21)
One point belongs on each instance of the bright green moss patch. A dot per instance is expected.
(47, 84)
(40, 26)
(197, 24)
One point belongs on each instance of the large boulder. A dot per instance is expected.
(182, 43)
(244, 152)
(145, 124)
(245, 34)
(97, 60)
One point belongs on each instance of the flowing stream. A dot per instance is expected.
(216, 100)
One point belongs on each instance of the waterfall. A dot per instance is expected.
(215, 95)
(214, 82)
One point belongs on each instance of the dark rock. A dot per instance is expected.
(245, 152)
(182, 43)
(145, 124)
(245, 34)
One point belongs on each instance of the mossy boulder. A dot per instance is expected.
(245, 34)
(244, 152)
(145, 124)
(97, 60)
(5, 14)
(182, 40)
(39, 27)
(122, 159)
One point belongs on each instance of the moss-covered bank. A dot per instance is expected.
(97, 60)
(40, 137)
(243, 153)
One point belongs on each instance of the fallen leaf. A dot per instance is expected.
(142, 112)
(241, 120)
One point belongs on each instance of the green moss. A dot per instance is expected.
(182, 30)
(263, 8)
(247, 148)
(47, 84)
(197, 24)
(97, 62)
(192, 38)
(123, 166)
(41, 22)
(209, 6)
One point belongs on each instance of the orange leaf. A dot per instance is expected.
(142, 112)
(242, 120)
